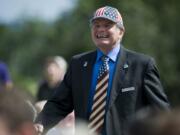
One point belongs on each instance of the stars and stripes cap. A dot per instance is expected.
(109, 13)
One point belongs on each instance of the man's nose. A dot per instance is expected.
(101, 28)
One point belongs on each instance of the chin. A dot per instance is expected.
(102, 44)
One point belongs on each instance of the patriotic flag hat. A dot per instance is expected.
(109, 13)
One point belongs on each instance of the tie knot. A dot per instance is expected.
(105, 59)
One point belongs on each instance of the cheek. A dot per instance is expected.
(117, 35)
(93, 36)
(93, 33)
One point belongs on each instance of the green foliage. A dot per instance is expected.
(152, 27)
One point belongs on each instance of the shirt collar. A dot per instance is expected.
(112, 54)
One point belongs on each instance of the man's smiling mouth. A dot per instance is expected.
(102, 36)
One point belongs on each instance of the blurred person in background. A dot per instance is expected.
(5, 79)
(54, 70)
(16, 114)
(53, 73)
(105, 87)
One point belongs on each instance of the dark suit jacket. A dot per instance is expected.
(136, 85)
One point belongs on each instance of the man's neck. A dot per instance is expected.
(106, 50)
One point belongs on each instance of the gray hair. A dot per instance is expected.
(61, 62)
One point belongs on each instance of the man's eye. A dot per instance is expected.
(107, 25)
(96, 26)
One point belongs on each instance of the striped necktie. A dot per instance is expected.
(96, 119)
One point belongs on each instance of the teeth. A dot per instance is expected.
(102, 36)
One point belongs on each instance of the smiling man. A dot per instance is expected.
(106, 87)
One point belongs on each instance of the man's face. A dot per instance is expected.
(105, 34)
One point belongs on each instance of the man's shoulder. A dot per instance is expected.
(84, 55)
(137, 55)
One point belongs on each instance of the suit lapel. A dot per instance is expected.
(87, 65)
(120, 71)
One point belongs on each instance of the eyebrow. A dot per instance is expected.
(108, 22)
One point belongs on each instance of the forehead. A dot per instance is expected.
(102, 20)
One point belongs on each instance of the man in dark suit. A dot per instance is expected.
(131, 81)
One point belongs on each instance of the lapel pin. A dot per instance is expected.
(125, 66)
(85, 64)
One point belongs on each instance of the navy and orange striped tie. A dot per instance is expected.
(96, 119)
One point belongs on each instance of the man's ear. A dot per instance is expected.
(122, 31)
(27, 129)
